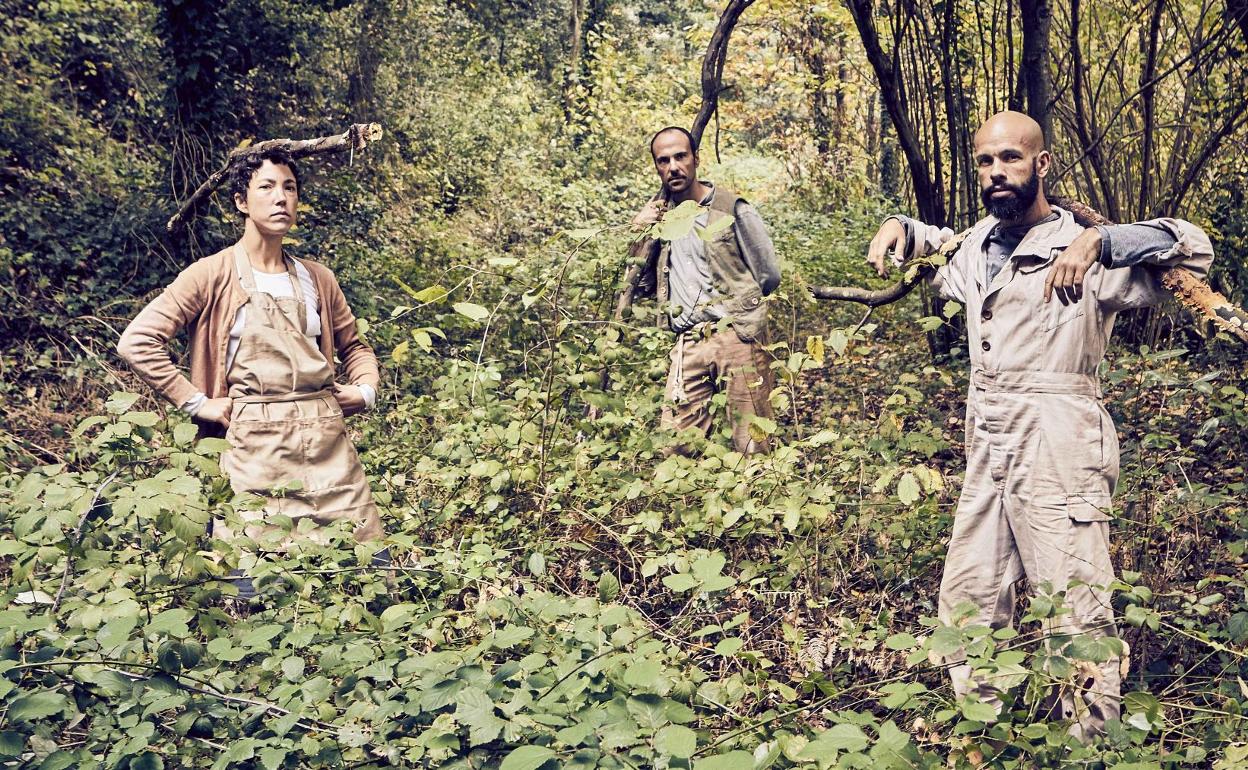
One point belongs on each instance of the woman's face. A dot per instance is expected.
(272, 197)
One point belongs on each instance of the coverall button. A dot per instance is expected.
(986, 345)
(986, 314)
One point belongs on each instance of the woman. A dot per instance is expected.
(263, 332)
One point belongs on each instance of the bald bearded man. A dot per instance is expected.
(1041, 294)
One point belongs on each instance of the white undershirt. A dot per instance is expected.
(278, 286)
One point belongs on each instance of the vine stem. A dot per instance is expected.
(78, 535)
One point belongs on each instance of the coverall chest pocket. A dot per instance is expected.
(1056, 314)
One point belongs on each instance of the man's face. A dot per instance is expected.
(1009, 177)
(676, 163)
(272, 198)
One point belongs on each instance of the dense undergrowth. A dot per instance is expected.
(566, 593)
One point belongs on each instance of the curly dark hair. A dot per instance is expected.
(240, 176)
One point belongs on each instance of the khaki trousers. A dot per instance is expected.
(1042, 459)
(706, 361)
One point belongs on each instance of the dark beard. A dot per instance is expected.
(1012, 207)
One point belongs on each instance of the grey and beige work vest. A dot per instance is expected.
(740, 295)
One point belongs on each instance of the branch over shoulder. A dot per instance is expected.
(1191, 292)
(356, 137)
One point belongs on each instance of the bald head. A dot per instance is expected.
(1013, 128)
(1011, 163)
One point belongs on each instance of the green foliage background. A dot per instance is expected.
(564, 593)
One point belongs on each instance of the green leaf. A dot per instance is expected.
(510, 636)
(676, 741)
(475, 710)
(733, 760)
(643, 673)
(184, 433)
(908, 489)
(839, 738)
(537, 564)
(728, 647)
(978, 711)
(11, 743)
(527, 758)
(502, 261)
(170, 622)
(1237, 627)
(901, 642)
(36, 705)
(714, 228)
(120, 403)
(273, 757)
(471, 310)
(681, 581)
(429, 295)
(147, 761)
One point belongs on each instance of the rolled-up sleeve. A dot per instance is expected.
(756, 247)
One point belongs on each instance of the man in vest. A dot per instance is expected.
(711, 293)
(1041, 294)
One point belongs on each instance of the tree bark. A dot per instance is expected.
(929, 198)
(713, 65)
(1034, 70)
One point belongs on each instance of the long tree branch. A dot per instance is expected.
(1191, 292)
(713, 65)
(356, 137)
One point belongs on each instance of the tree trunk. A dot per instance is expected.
(362, 81)
(928, 197)
(1034, 70)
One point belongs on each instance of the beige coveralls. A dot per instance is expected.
(1042, 452)
(286, 425)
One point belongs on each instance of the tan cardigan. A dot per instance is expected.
(204, 299)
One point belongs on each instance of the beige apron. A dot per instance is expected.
(288, 439)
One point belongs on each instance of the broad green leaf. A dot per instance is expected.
(901, 642)
(978, 711)
(680, 581)
(728, 647)
(838, 738)
(676, 741)
(121, 402)
(184, 433)
(36, 705)
(475, 710)
(643, 673)
(714, 228)
(471, 310)
(733, 760)
(273, 757)
(908, 490)
(527, 758)
(11, 743)
(170, 622)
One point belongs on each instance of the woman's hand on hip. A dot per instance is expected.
(350, 399)
(216, 410)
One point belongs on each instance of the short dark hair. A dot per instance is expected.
(693, 143)
(240, 176)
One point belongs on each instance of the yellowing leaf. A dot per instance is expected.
(471, 310)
